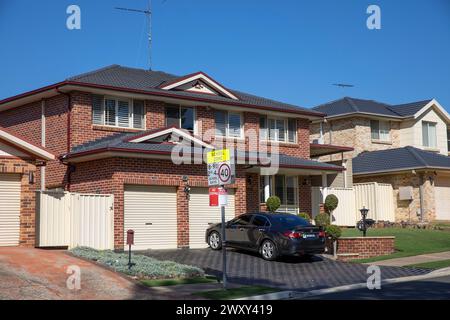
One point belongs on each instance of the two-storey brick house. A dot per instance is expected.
(116, 131)
(403, 145)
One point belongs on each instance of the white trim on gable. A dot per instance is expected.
(23, 145)
(206, 79)
(439, 108)
(175, 131)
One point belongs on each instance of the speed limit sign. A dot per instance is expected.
(220, 168)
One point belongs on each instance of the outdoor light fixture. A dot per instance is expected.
(187, 190)
(30, 177)
(362, 225)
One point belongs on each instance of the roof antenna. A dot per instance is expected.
(148, 15)
(343, 85)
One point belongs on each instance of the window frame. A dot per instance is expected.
(267, 130)
(272, 188)
(380, 130)
(227, 124)
(428, 124)
(131, 113)
(180, 107)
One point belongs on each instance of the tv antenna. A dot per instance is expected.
(343, 85)
(148, 15)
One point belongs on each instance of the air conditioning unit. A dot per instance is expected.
(405, 193)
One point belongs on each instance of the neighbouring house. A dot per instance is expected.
(403, 145)
(116, 130)
(19, 160)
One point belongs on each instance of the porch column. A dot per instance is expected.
(324, 186)
(266, 187)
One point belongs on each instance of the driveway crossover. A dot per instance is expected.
(288, 274)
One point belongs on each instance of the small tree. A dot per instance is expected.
(322, 220)
(273, 203)
(334, 232)
(331, 203)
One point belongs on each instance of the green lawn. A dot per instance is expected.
(432, 265)
(173, 282)
(408, 242)
(235, 293)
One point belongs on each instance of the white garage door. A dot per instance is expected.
(201, 215)
(9, 209)
(442, 198)
(151, 211)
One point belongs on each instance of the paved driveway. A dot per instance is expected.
(41, 274)
(290, 273)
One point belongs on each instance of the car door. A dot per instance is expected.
(259, 226)
(237, 230)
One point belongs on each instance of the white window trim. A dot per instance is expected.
(286, 131)
(227, 125)
(194, 115)
(130, 113)
(271, 185)
(428, 123)
(379, 131)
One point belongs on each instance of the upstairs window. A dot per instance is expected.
(117, 112)
(276, 129)
(380, 130)
(448, 140)
(429, 134)
(228, 124)
(180, 117)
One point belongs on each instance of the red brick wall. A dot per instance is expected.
(366, 247)
(110, 175)
(27, 198)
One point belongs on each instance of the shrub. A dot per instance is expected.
(145, 267)
(331, 203)
(322, 219)
(333, 231)
(304, 215)
(273, 203)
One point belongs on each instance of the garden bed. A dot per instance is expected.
(144, 267)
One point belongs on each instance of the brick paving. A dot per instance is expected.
(288, 273)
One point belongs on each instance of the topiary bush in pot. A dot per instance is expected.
(333, 232)
(322, 220)
(273, 203)
(330, 204)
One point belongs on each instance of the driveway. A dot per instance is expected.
(289, 273)
(41, 274)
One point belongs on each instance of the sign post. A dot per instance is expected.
(220, 173)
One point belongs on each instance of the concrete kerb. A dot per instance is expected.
(283, 295)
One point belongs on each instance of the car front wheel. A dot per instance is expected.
(268, 250)
(214, 240)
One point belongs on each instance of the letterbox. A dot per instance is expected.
(130, 237)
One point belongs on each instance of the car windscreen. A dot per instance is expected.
(289, 221)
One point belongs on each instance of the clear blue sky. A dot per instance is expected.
(287, 50)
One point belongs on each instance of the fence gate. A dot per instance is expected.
(67, 219)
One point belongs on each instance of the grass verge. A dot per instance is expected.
(408, 242)
(235, 293)
(173, 282)
(432, 265)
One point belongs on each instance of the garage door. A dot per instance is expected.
(151, 211)
(9, 209)
(201, 215)
(442, 198)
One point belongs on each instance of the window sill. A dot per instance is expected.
(382, 142)
(223, 138)
(114, 129)
(431, 149)
(281, 143)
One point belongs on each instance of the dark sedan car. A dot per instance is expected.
(272, 235)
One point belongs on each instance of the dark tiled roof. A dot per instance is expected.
(348, 105)
(149, 81)
(119, 141)
(397, 160)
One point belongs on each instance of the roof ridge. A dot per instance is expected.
(92, 72)
(352, 103)
(413, 102)
(327, 103)
(414, 152)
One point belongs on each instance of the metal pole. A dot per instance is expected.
(224, 250)
(129, 256)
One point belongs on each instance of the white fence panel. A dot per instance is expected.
(53, 219)
(316, 200)
(72, 219)
(378, 198)
(345, 213)
(93, 221)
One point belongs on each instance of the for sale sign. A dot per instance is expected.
(220, 168)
